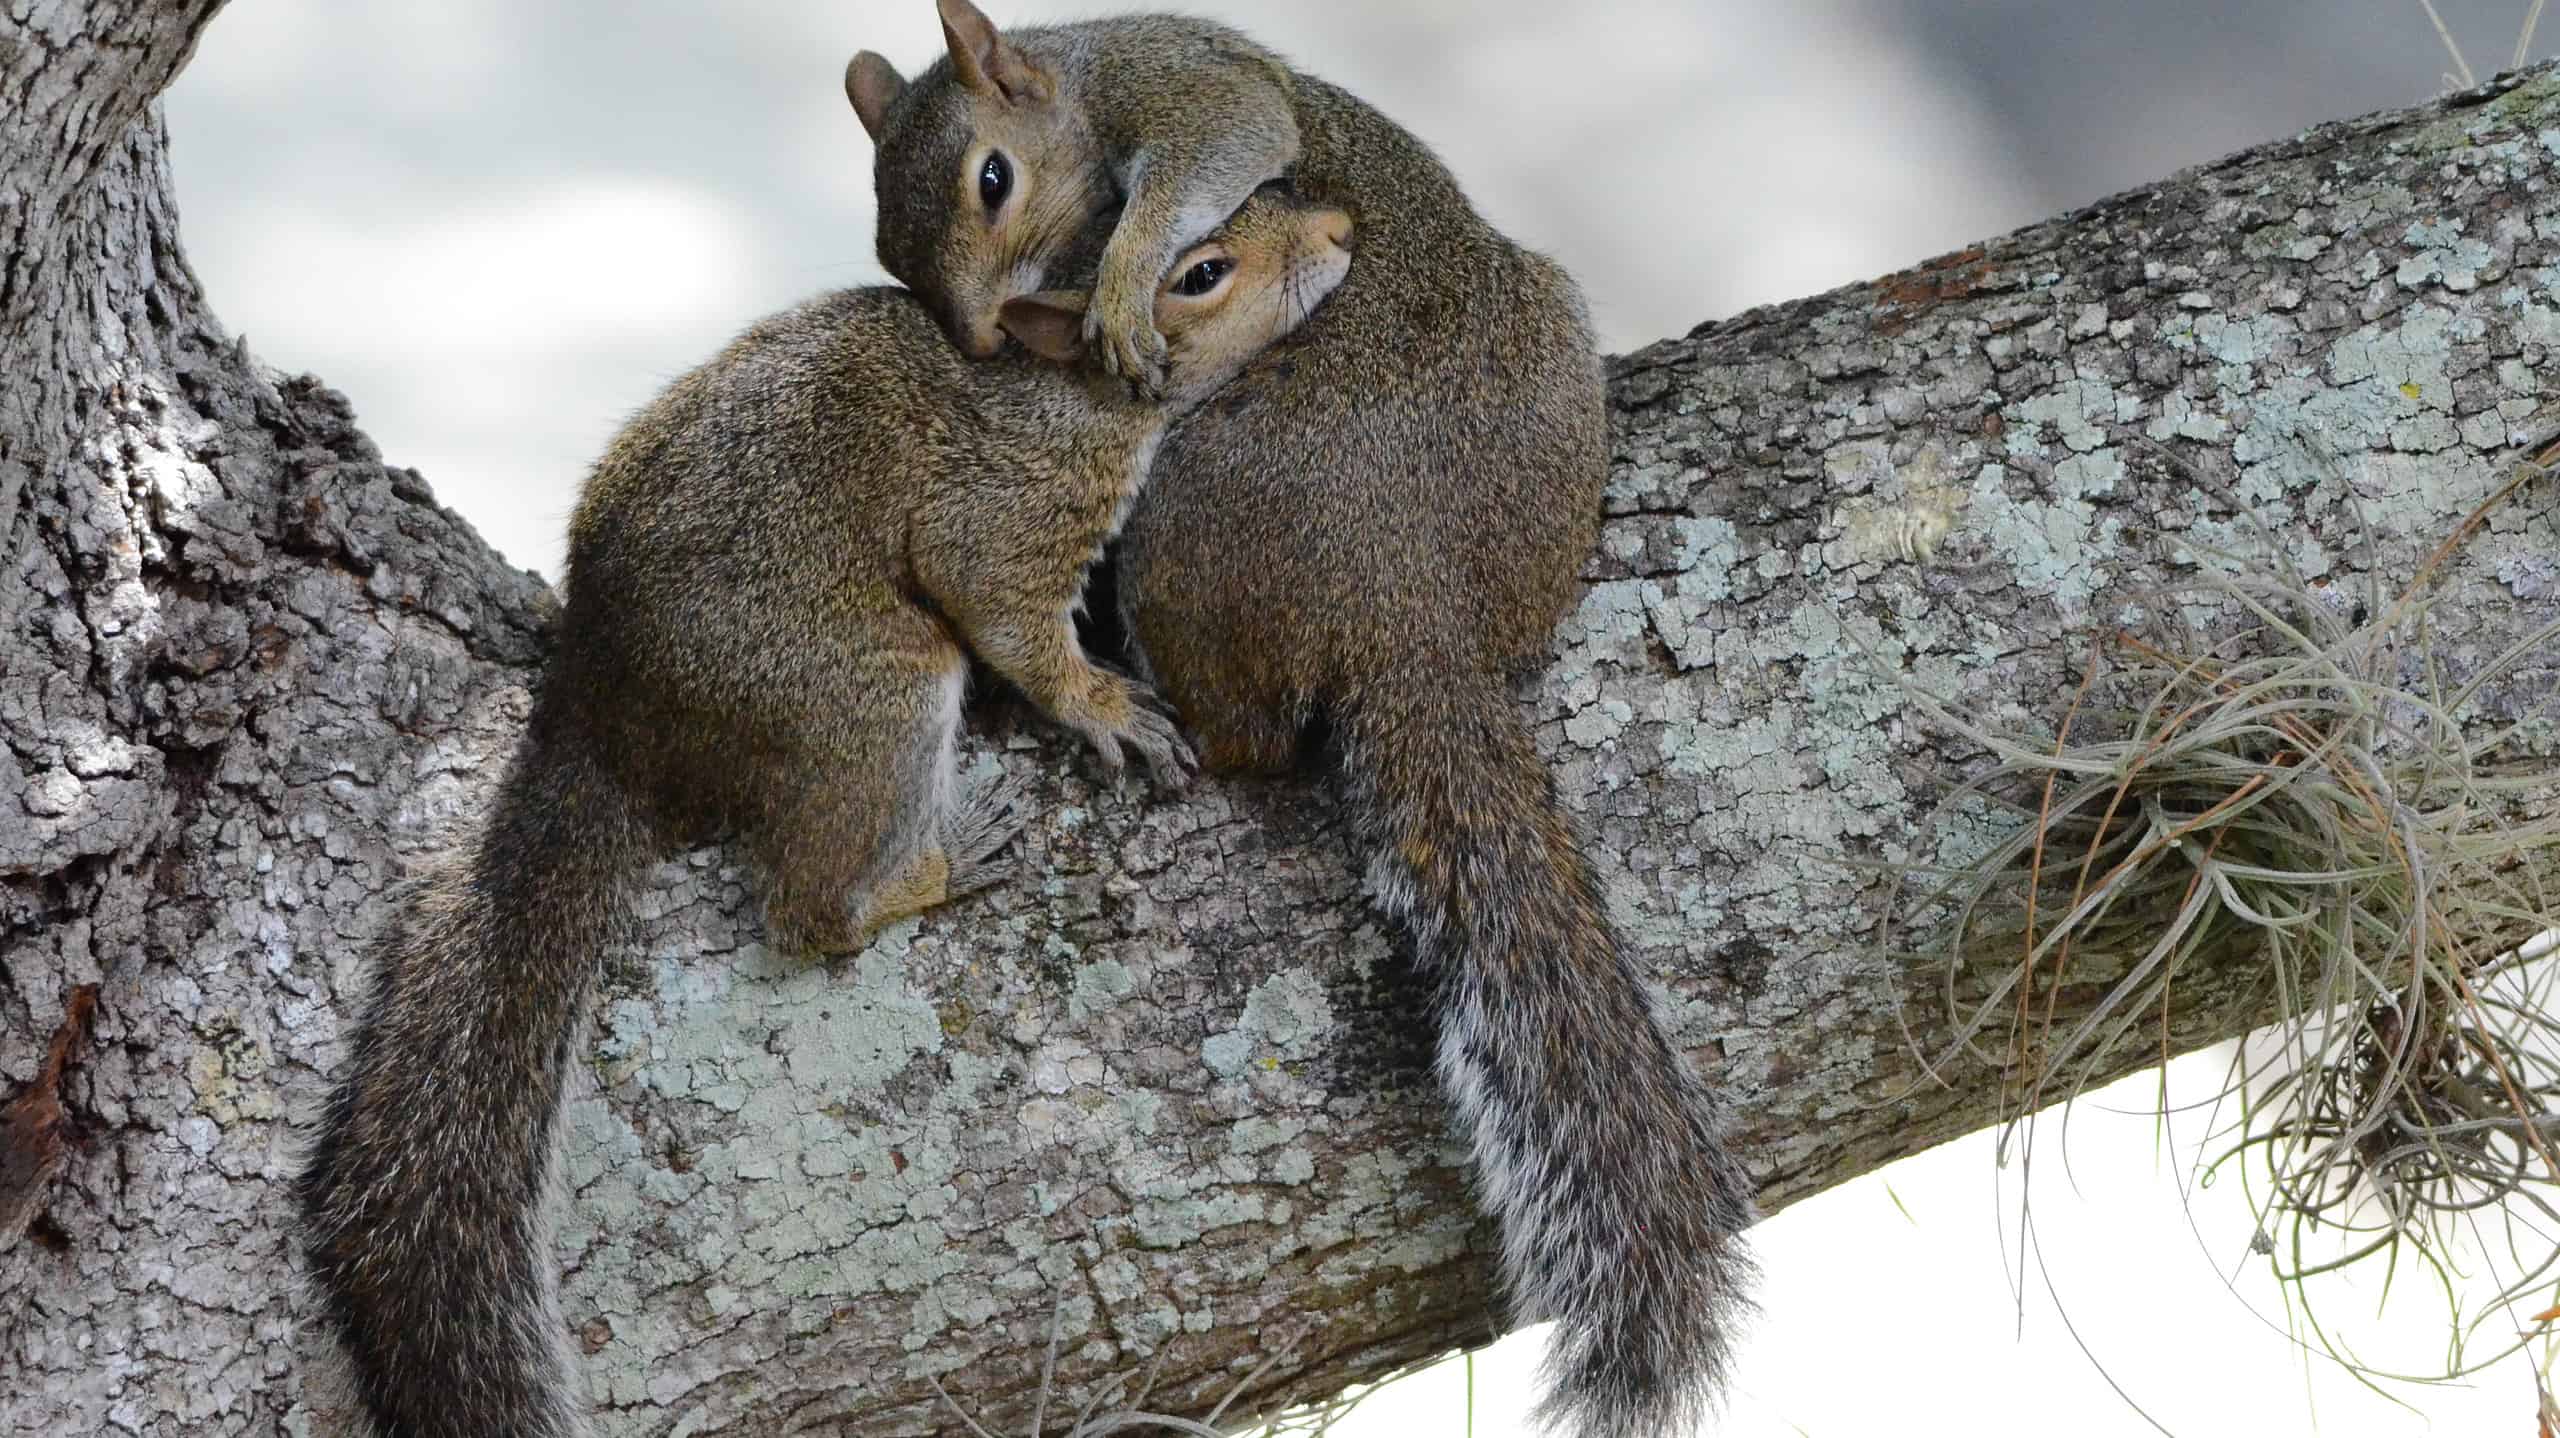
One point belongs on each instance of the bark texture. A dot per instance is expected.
(1178, 1079)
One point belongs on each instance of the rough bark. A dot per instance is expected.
(1176, 1077)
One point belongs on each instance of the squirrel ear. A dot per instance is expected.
(1050, 324)
(873, 85)
(983, 60)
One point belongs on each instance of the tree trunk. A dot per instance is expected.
(1177, 1077)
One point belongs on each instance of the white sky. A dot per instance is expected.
(501, 227)
(1888, 1309)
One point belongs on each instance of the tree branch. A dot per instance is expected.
(1178, 1075)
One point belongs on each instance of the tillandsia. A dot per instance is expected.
(2306, 790)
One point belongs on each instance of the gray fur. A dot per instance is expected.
(771, 575)
(1376, 522)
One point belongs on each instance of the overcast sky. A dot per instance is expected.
(501, 226)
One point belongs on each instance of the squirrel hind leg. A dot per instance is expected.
(828, 852)
(819, 887)
(1246, 741)
(1234, 731)
(964, 839)
(924, 883)
(1243, 719)
(851, 836)
(963, 857)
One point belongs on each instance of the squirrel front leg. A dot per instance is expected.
(1013, 604)
(1182, 184)
(1045, 660)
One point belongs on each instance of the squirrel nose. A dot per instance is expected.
(980, 341)
(1336, 228)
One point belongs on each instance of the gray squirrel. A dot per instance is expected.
(777, 573)
(1374, 528)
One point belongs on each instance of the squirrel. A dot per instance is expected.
(776, 575)
(1175, 181)
(1377, 528)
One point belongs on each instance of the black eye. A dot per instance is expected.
(995, 179)
(1203, 277)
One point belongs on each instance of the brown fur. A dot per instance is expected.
(776, 575)
(1376, 523)
(1175, 180)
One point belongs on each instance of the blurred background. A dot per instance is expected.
(500, 227)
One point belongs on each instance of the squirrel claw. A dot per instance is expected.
(1106, 752)
(1159, 742)
(984, 825)
(1130, 349)
(1151, 732)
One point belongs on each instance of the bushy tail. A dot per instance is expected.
(426, 1192)
(1596, 1148)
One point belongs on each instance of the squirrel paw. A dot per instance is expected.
(1152, 733)
(1159, 742)
(1123, 335)
(978, 831)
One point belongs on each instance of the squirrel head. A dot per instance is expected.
(1258, 277)
(981, 172)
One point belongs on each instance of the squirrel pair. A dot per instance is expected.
(1375, 527)
(1376, 524)
(777, 574)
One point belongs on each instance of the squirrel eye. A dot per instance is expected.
(995, 179)
(1203, 277)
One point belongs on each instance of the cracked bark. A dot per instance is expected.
(1175, 1074)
